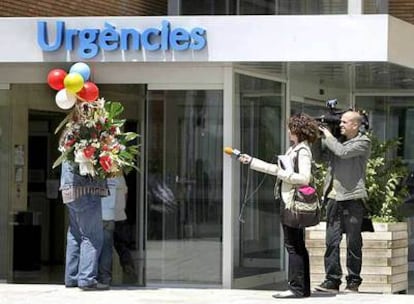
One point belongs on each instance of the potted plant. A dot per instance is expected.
(385, 251)
(384, 181)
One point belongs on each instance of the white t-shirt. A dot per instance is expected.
(113, 206)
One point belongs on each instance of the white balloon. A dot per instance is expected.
(65, 100)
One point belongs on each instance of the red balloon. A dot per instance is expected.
(89, 92)
(55, 79)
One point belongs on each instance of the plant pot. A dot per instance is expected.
(384, 257)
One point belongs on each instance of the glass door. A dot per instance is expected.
(184, 187)
(259, 249)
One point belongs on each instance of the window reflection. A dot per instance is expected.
(184, 186)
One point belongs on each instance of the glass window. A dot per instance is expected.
(310, 7)
(258, 246)
(391, 117)
(314, 109)
(375, 6)
(184, 187)
(202, 7)
(262, 7)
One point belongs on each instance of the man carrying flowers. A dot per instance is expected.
(93, 148)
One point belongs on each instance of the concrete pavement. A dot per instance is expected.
(56, 294)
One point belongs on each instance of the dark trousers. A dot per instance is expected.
(298, 261)
(344, 217)
(122, 240)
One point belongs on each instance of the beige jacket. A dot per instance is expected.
(288, 178)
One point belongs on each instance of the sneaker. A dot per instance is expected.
(351, 287)
(328, 286)
(97, 286)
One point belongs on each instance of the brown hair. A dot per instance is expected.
(304, 127)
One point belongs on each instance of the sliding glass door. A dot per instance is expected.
(184, 141)
(258, 248)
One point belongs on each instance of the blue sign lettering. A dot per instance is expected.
(90, 40)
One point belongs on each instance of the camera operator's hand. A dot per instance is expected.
(325, 131)
(245, 159)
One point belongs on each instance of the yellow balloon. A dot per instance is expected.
(73, 82)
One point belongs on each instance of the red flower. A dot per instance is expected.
(70, 142)
(93, 135)
(89, 151)
(105, 162)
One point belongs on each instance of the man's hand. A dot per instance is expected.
(245, 159)
(325, 131)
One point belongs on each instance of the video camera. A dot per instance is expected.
(332, 119)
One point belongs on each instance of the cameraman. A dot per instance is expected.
(344, 193)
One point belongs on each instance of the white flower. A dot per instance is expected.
(85, 165)
(100, 102)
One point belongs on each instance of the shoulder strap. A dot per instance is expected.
(296, 165)
(296, 161)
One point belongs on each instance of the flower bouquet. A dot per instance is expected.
(93, 140)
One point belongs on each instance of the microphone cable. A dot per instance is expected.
(248, 197)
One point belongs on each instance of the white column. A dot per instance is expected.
(351, 84)
(228, 175)
(355, 7)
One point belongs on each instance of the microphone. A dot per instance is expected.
(230, 151)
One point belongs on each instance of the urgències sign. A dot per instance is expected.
(89, 42)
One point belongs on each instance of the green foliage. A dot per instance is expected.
(385, 175)
(319, 174)
(319, 171)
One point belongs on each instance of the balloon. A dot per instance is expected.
(89, 92)
(55, 79)
(81, 68)
(73, 82)
(65, 100)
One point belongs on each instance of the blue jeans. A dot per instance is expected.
(105, 260)
(84, 241)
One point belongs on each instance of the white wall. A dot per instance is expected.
(229, 38)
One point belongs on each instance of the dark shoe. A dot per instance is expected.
(102, 286)
(88, 287)
(98, 286)
(328, 286)
(71, 285)
(351, 287)
(285, 295)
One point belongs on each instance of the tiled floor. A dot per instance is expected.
(56, 294)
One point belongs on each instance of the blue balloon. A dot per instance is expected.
(81, 68)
